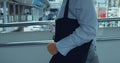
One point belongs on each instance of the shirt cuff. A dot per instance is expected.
(65, 45)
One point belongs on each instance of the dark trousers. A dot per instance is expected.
(76, 55)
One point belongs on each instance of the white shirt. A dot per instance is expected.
(84, 12)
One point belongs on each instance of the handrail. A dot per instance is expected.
(26, 43)
(108, 38)
(109, 19)
(16, 24)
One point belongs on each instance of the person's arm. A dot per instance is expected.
(86, 16)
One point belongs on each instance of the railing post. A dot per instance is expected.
(5, 19)
(5, 11)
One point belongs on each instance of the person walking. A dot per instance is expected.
(75, 33)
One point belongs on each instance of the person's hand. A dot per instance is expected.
(52, 48)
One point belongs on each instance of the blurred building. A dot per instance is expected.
(107, 8)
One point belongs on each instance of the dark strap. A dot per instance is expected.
(66, 9)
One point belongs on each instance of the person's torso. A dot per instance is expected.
(71, 12)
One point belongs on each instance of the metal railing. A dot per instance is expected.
(109, 19)
(18, 24)
(26, 43)
(14, 24)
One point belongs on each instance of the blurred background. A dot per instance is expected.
(27, 26)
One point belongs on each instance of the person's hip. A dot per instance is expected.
(92, 55)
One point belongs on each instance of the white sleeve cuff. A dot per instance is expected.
(65, 45)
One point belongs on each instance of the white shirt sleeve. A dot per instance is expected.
(86, 16)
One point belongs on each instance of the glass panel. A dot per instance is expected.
(107, 8)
